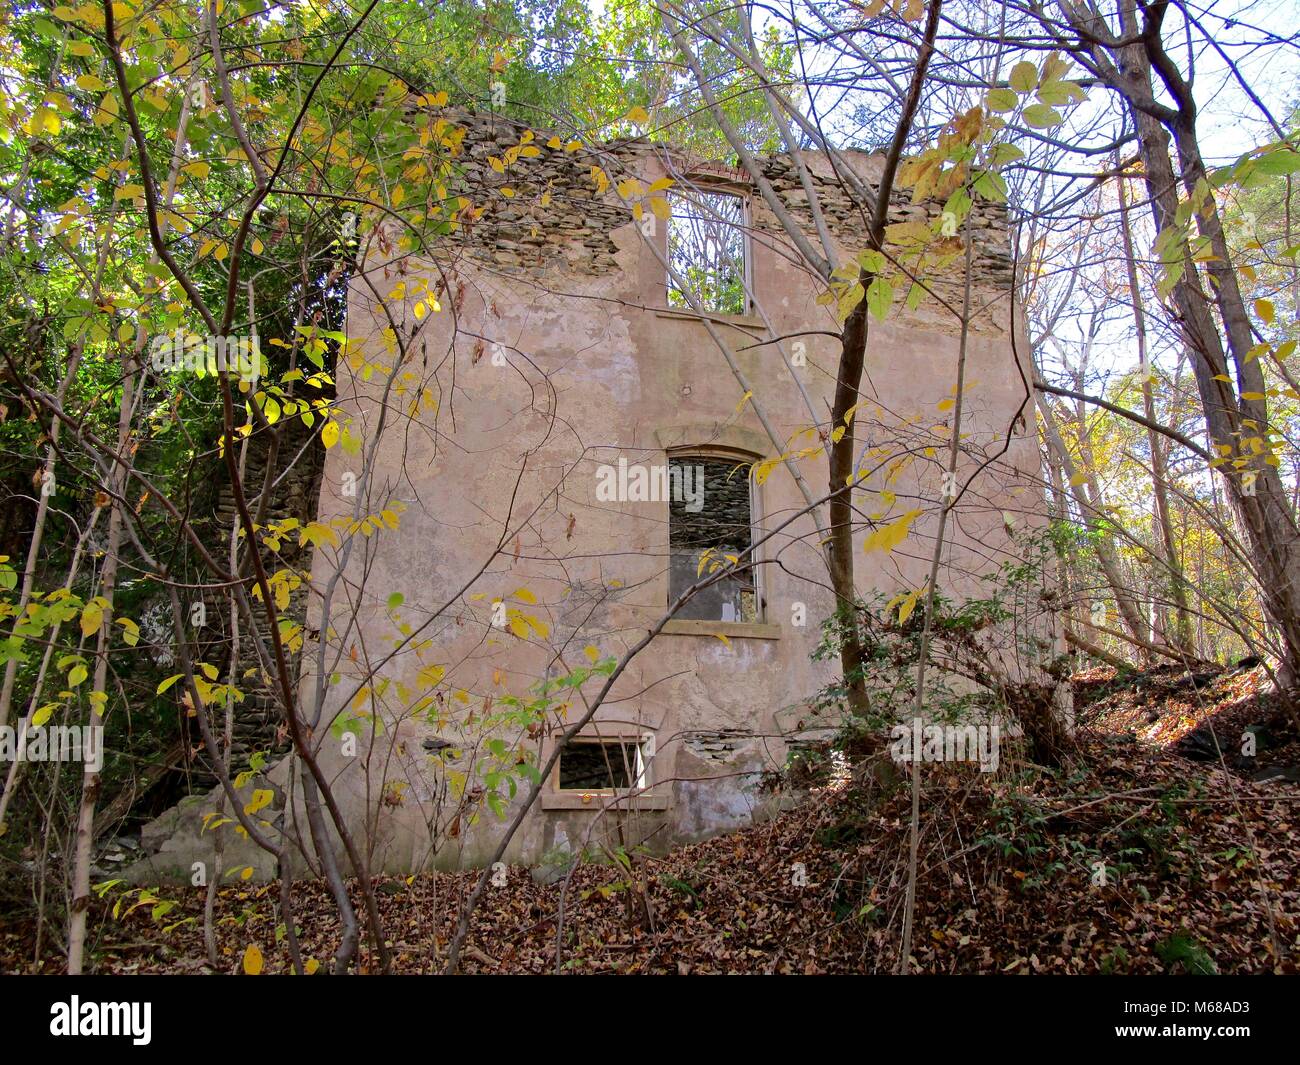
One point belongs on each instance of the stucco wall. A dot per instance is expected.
(591, 367)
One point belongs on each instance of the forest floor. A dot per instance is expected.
(1148, 853)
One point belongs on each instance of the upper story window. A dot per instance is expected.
(710, 509)
(708, 249)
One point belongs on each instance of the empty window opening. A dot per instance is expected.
(604, 765)
(715, 518)
(707, 247)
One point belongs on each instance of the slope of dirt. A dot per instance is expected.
(1133, 859)
(1228, 715)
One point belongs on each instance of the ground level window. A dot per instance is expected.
(591, 764)
(711, 513)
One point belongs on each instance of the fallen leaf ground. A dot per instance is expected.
(1153, 851)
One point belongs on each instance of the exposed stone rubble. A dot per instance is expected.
(519, 235)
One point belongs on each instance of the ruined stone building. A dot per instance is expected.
(544, 440)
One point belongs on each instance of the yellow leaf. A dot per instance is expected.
(893, 534)
(906, 603)
(44, 120)
(107, 111)
(91, 83)
(591, 652)
(329, 435)
(252, 960)
(131, 631)
(726, 640)
(431, 676)
(91, 618)
(763, 470)
(198, 168)
(316, 534)
(1078, 479)
(260, 800)
(312, 965)
(638, 115)
(1264, 308)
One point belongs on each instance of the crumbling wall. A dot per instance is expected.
(556, 217)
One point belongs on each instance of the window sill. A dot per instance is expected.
(744, 630)
(740, 321)
(597, 801)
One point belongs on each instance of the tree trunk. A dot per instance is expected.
(1231, 418)
(1178, 635)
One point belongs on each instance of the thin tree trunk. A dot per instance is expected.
(1103, 544)
(1231, 418)
(1181, 635)
(90, 780)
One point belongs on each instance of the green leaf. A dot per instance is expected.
(1278, 163)
(1002, 154)
(1024, 76)
(990, 185)
(871, 260)
(1040, 116)
(880, 297)
(1058, 93)
(1001, 100)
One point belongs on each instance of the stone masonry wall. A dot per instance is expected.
(573, 228)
